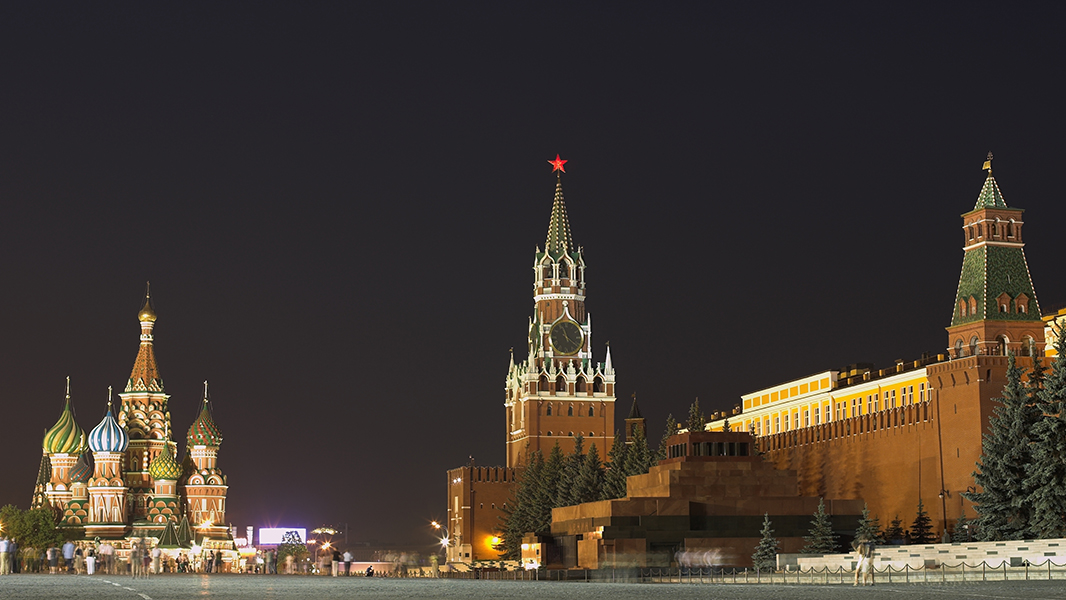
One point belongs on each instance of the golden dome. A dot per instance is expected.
(147, 313)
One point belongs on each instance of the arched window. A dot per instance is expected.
(1001, 345)
(592, 412)
(564, 270)
(549, 413)
(549, 434)
(597, 384)
(973, 305)
(962, 308)
(958, 348)
(973, 346)
(1029, 346)
(560, 384)
(581, 386)
(570, 412)
(543, 385)
(546, 271)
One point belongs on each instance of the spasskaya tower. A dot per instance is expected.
(559, 392)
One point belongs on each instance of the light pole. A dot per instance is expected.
(445, 542)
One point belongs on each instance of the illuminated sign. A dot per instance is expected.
(273, 535)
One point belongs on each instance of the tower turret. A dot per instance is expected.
(996, 309)
(205, 487)
(63, 443)
(107, 490)
(559, 391)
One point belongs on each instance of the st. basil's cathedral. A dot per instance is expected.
(123, 481)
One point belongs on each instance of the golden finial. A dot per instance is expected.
(147, 313)
(205, 391)
(108, 398)
(68, 387)
(988, 164)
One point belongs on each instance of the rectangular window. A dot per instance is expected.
(877, 401)
(910, 394)
(921, 392)
(893, 398)
(836, 411)
(777, 424)
(854, 407)
(786, 421)
(807, 418)
(817, 416)
(826, 413)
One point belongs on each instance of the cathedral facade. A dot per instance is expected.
(123, 480)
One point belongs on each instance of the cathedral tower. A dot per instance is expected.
(995, 307)
(63, 443)
(205, 484)
(106, 488)
(144, 414)
(558, 391)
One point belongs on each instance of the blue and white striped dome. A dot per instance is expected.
(108, 436)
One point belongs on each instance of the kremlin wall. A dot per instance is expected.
(889, 437)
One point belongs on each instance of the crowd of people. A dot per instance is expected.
(89, 558)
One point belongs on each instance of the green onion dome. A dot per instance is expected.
(65, 437)
(164, 466)
(82, 470)
(203, 431)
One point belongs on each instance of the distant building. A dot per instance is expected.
(122, 480)
(913, 431)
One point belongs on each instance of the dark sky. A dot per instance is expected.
(337, 206)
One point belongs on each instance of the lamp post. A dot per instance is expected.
(446, 541)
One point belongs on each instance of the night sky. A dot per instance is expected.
(338, 204)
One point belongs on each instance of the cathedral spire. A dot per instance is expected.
(990, 196)
(145, 376)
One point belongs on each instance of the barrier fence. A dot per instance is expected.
(942, 573)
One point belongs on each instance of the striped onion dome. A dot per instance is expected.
(82, 470)
(164, 466)
(203, 431)
(109, 436)
(65, 437)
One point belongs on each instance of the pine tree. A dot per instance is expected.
(614, 480)
(869, 529)
(765, 557)
(821, 540)
(589, 484)
(518, 512)
(894, 534)
(696, 420)
(638, 457)
(1047, 472)
(1003, 506)
(961, 532)
(922, 529)
(725, 425)
(568, 476)
(547, 489)
(671, 429)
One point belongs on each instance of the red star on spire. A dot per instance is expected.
(558, 164)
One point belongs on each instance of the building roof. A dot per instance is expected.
(83, 469)
(990, 196)
(169, 537)
(109, 436)
(203, 431)
(145, 376)
(558, 241)
(65, 437)
(634, 412)
(164, 466)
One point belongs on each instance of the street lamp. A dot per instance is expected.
(445, 541)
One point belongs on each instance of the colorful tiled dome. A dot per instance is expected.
(82, 470)
(164, 466)
(109, 436)
(65, 437)
(203, 431)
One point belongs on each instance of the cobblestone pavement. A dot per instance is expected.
(184, 587)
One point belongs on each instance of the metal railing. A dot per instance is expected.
(941, 573)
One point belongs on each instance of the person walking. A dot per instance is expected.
(218, 561)
(53, 560)
(157, 556)
(209, 561)
(68, 556)
(5, 558)
(347, 563)
(14, 564)
(864, 547)
(79, 560)
(90, 560)
(336, 562)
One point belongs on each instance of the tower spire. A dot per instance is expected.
(558, 241)
(990, 196)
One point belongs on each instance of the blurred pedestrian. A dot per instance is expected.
(68, 556)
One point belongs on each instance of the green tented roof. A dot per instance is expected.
(990, 196)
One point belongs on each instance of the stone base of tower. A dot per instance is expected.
(107, 531)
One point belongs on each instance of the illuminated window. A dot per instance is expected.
(826, 413)
(807, 418)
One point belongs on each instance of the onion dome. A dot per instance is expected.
(203, 431)
(82, 470)
(65, 437)
(147, 312)
(164, 466)
(109, 436)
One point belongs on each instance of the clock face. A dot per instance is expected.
(566, 337)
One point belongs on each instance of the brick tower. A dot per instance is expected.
(995, 307)
(558, 391)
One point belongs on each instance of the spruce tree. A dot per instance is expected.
(894, 533)
(638, 457)
(1047, 472)
(671, 429)
(568, 477)
(821, 540)
(518, 513)
(961, 532)
(1003, 505)
(765, 557)
(547, 489)
(614, 480)
(869, 529)
(696, 420)
(589, 484)
(922, 529)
